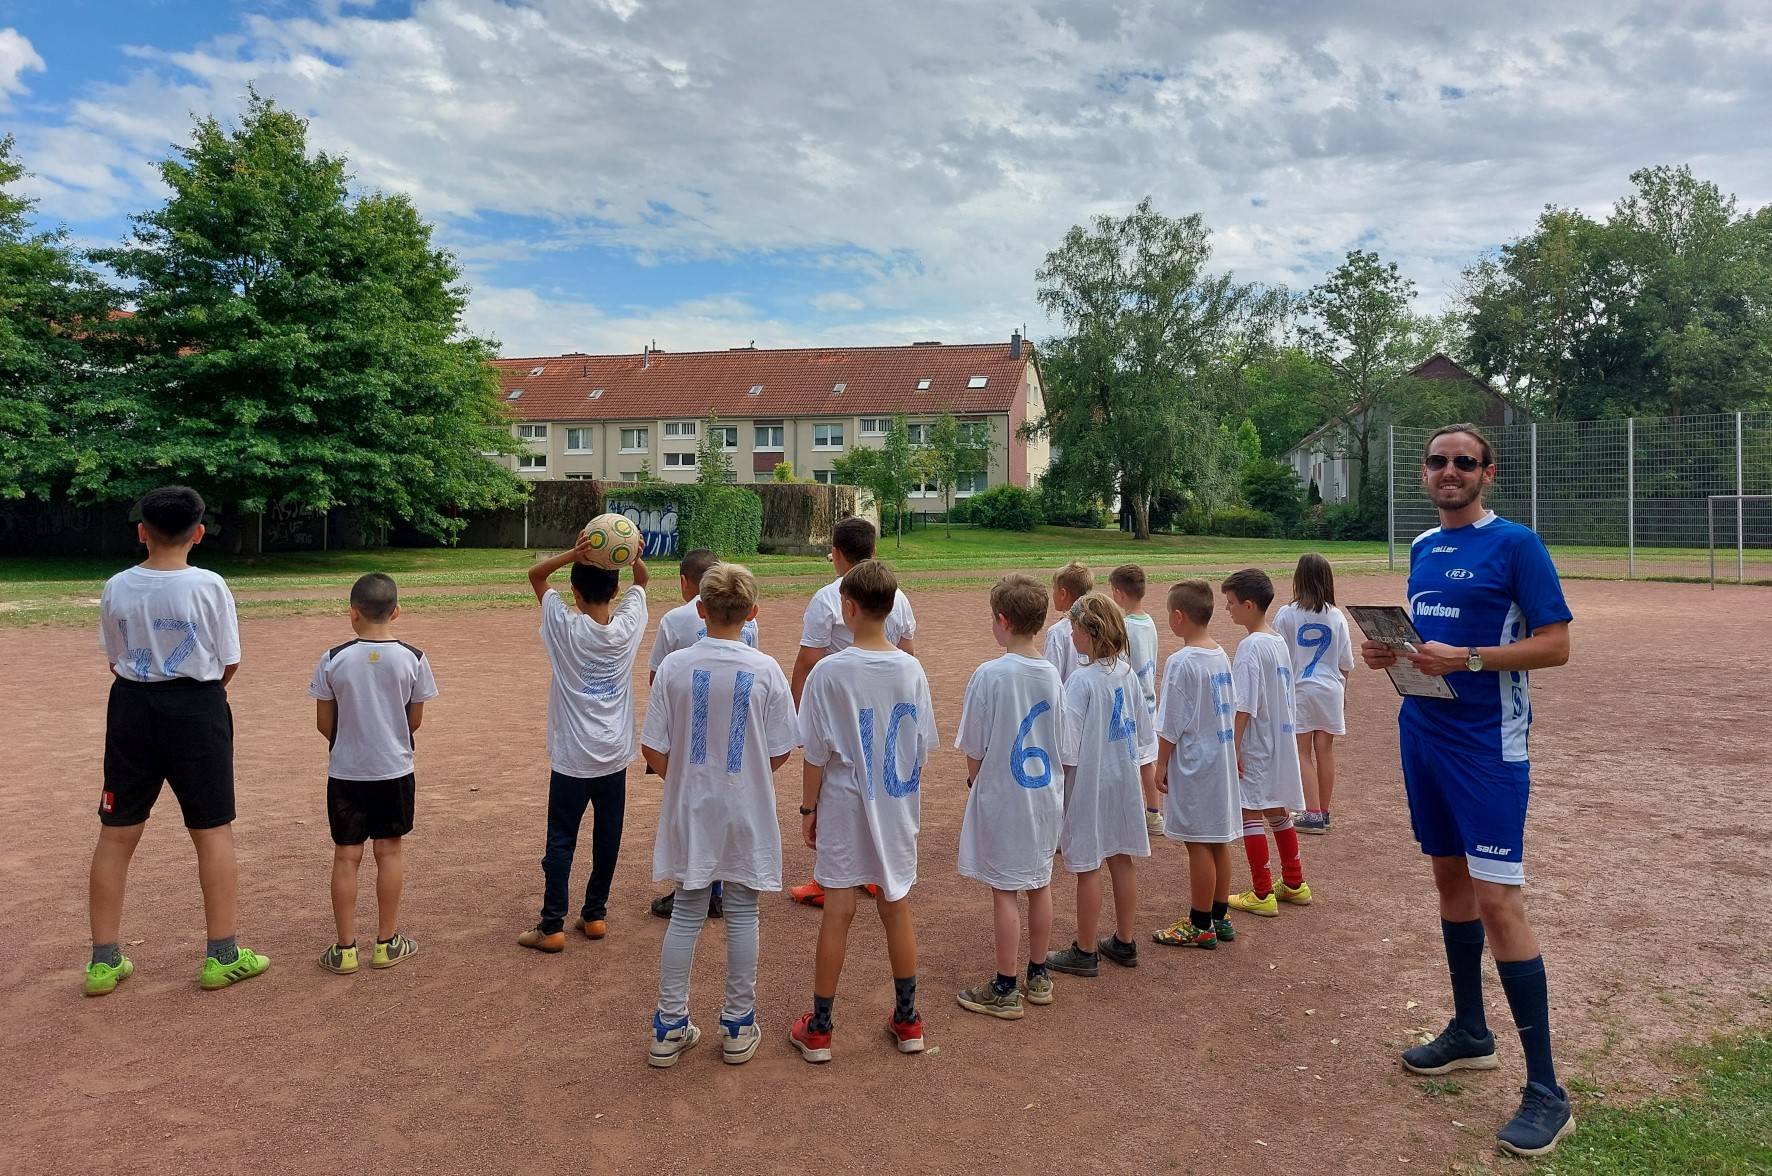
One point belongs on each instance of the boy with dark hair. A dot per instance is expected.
(173, 642)
(824, 631)
(591, 650)
(1126, 585)
(868, 726)
(369, 699)
(1267, 752)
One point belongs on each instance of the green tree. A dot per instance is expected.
(784, 471)
(1280, 394)
(1273, 487)
(1137, 386)
(299, 345)
(1247, 443)
(713, 460)
(53, 328)
(956, 450)
(889, 471)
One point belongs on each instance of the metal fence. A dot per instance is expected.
(1627, 498)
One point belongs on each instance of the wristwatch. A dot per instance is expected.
(807, 812)
(1474, 660)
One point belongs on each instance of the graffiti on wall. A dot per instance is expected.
(288, 527)
(657, 525)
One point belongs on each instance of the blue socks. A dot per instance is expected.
(1528, 997)
(107, 953)
(821, 1013)
(224, 951)
(1464, 959)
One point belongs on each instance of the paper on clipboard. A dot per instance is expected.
(1389, 624)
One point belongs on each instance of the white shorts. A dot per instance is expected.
(1319, 709)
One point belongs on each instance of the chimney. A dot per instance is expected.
(1015, 345)
(646, 357)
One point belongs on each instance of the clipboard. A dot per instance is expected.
(1389, 624)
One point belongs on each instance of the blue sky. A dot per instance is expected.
(705, 173)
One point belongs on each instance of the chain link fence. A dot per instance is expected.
(1629, 498)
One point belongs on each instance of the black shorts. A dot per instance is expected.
(179, 733)
(369, 810)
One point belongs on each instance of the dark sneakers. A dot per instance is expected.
(1453, 1049)
(1074, 961)
(1542, 1120)
(1124, 954)
(661, 906)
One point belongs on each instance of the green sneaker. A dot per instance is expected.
(393, 951)
(987, 1000)
(1223, 929)
(1037, 989)
(342, 960)
(245, 966)
(104, 978)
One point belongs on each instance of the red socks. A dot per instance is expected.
(1261, 878)
(1291, 865)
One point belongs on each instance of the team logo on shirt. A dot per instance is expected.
(107, 801)
(1442, 550)
(1459, 573)
(374, 656)
(1424, 608)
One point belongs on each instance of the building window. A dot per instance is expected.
(635, 441)
(679, 461)
(923, 384)
(823, 477)
(978, 381)
(676, 429)
(726, 435)
(578, 440)
(873, 426)
(827, 436)
(923, 490)
(970, 483)
(532, 432)
(919, 434)
(773, 437)
(581, 477)
(975, 432)
(837, 388)
(630, 476)
(532, 461)
(516, 394)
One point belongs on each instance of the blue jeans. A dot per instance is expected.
(568, 797)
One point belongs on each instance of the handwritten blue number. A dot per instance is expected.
(1314, 636)
(1123, 725)
(1021, 753)
(701, 682)
(895, 785)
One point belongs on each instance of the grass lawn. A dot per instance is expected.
(1722, 1122)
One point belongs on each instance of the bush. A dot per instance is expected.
(1004, 508)
(963, 511)
(1242, 522)
(1339, 520)
(1272, 487)
(784, 471)
(1063, 506)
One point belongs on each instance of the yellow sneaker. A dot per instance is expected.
(342, 960)
(389, 952)
(1268, 907)
(1299, 895)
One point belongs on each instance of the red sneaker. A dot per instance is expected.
(907, 1035)
(873, 891)
(810, 893)
(814, 1047)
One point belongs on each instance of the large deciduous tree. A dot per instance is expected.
(1153, 343)
(955, 450)
(299, 344)
(888, 471)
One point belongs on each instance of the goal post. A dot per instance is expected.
(1710, 513)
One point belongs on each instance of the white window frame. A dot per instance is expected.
(918, 434)
(533, 462)
(584, 435)
(825, 477)
(641, 433)
(681, 430)
(528, 432)
(929, 489)
(833, 434)
(924, 384)
(771, 446)
(630, 476)
(728, 436)
(878, 426)
(963, 490)
(581, 477)
(978, 381)
(678, 461)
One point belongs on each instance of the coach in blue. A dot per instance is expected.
(1485, 597)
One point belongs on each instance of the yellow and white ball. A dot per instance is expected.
(614, 541)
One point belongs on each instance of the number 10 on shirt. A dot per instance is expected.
(894, 784)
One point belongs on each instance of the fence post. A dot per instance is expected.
(261, 534)
(1740, 505)
(1390, 489)
(1535, 476)
(1630, 493)
(325, 529)
(525, 525)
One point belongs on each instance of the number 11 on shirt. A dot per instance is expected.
(701, 686)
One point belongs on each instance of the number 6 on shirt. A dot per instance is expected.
(1021, 753)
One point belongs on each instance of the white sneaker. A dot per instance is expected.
(739, 1039)
(1153, 823)
(669, 1041)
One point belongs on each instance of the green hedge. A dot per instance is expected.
(1002, 508)
(564, 506)
(1243, 522)
(725, 519)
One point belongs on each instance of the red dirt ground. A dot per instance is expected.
(1649, 826)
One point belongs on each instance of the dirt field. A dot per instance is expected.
(1277, 1053)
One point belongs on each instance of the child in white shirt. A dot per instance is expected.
(1267, 754)
(1070, 584)
(1107, 738)
(720, 721)
(1126, 584)
(1322, 654)
(868, 725)
(591, 649)
(1009, 733)
(1197, 767)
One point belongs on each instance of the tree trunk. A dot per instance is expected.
(1141, 517)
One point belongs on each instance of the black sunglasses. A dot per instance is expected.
(1465, 463)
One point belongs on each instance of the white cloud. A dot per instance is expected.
(931, 151)
(16, 58)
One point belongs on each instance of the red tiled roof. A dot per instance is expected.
(796, 382)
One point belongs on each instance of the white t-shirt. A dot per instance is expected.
(1141, 651)
(721, 711)
(682, 627)
(1061, 651)
(1322, 655)
(1195, 712)
(155, 626)
(1010, 721)
(372, 681)
(1263, 676)
(591, 696)
(867, 718)
(824, 627)
(1105, 724)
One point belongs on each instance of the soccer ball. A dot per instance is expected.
(614, 540)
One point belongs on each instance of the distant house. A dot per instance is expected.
(1322, 457)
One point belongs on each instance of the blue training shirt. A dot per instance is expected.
(1491, 583)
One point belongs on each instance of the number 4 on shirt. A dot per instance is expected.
(1123, 724)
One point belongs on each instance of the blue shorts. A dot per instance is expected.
(1465, 804)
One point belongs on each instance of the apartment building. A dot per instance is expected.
(616, 417)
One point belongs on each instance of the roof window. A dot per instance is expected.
(837, 388)
(978, 381)
(756, 390)
(538, 370)
(923, 384)
(515, 393)
(596, 394)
